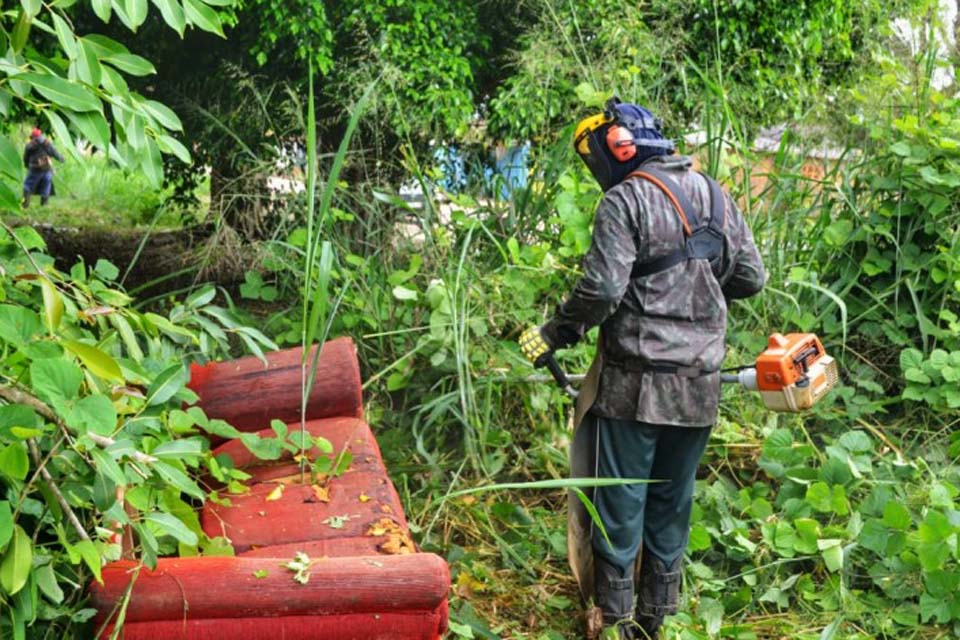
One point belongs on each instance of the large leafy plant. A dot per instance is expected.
(94, 435)
(77, 82)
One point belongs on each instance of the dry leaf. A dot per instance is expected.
(386, 508)
(397, 544)
(276, 494)
(383, 526)
(321, 493)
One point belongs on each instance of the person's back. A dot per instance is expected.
(675, 317)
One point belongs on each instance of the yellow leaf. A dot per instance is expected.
(97, 361)
(276, 494)
(321, 493)
(52, 305)
(364, 497)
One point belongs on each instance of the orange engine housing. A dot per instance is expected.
(787, 360)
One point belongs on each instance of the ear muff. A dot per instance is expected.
(621, 144)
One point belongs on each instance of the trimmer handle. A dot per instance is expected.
(550, 362)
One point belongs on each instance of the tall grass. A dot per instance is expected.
(318, 304)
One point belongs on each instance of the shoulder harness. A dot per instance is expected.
(702, 241)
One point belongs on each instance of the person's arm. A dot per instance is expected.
(51, 151)
(26, 156)
(606, 275)
(748, 276)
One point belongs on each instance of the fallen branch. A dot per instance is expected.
(19, 396)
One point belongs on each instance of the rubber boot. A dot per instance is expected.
(26, 200)
(659, 594)
(614, 596)
(44, 200)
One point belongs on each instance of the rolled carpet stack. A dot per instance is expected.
(365, 579)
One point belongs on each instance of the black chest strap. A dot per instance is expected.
(702, 241)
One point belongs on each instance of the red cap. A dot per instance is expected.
(36, 133)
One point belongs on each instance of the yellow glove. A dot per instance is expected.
(533, 346)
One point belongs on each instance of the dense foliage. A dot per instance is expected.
(839, 524)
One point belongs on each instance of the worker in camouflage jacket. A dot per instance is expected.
(669, 251)
(37, 156)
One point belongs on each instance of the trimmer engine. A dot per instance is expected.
(793, 374)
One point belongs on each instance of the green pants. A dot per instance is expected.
(656, 514)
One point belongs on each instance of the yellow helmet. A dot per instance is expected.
(586, 126)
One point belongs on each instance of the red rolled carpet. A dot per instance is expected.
(367, 580)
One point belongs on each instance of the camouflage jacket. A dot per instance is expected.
(677, 316)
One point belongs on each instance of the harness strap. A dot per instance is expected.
(676, 196)
(718, 205)
(688, 216)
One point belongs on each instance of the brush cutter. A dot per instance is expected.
(792, 374)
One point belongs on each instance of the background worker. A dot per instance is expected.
(669, 250)
(36, 159)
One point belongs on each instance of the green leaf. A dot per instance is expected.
(61, 92)
(838, 232)
(172, 14)
(166, 385)
(31, 7)
(68, 41)
(47, 581)
(18, 325)
(21, 31)
(60, 129)
(202, 16)
(93, 127)
(52, 305)
(169, 144)
(202, 296)
(162, 114)
(131, 64)
(819, 497)
(896, 516)
(910, 359)
(176, 478)
(152, 163)
(98, 362)
(856, 442)
(9, 160)
(16, 564)
(172, 526)
(105, 46)
(137, 12)
(108, 466)
(93, 413)
(832, 552)
(6, 523)
(55, 379)
(88, 67)
(104, 491)
(403, 293)
(91, 557)
(102, 9)
(178, 449)
(14, 462)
